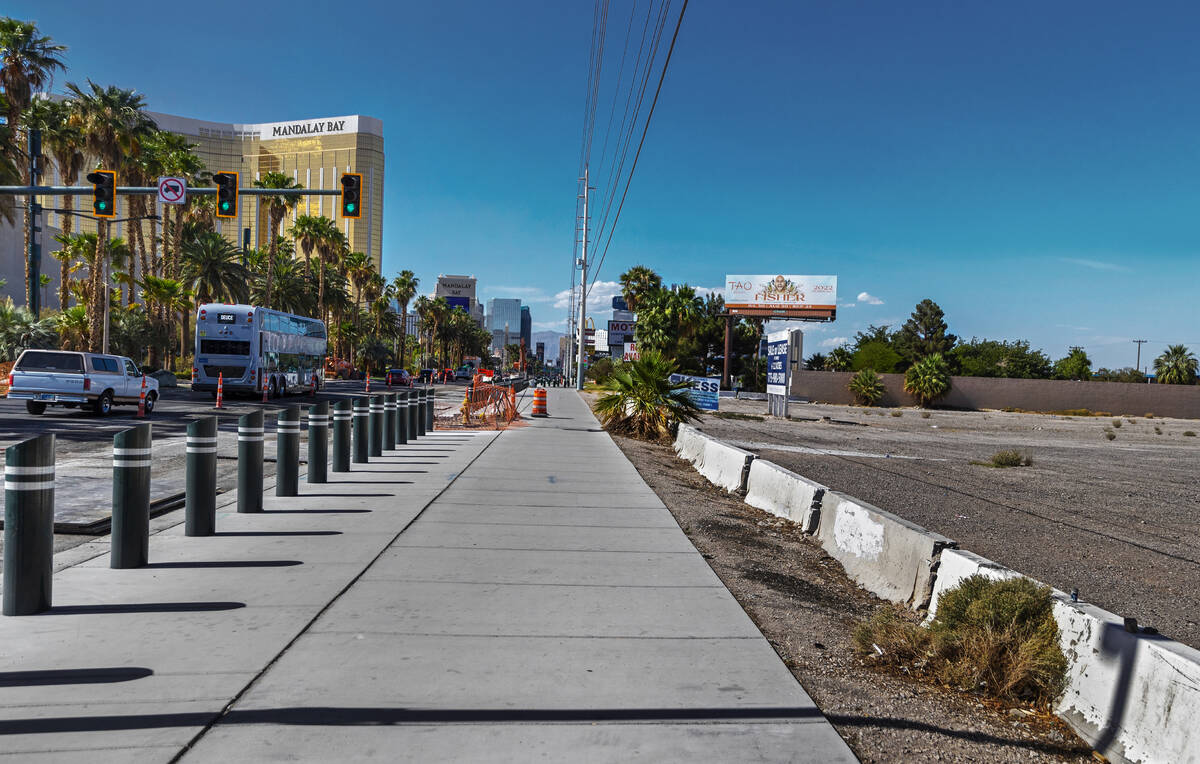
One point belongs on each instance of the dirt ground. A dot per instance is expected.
(805, 605)
(1116, 519)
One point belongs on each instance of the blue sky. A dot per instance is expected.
(1033, 167)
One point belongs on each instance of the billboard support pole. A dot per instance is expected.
(725, 383)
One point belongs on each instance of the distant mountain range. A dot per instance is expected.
(551, 340)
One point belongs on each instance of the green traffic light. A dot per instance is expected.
(224, 205)
(350, 207)
(103, 206)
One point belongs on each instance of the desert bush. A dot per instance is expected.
(1189, 434)
(1149, 416)
(1011, 458)
(1109, 434)
(997, 638)
(897, 413)
(1117, 423)
(736, 415)
(925, 414)
(1157, 430)
(866, 387)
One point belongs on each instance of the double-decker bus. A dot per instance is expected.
(254, 346)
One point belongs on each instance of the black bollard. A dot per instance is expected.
(318, 443)
(200, 504)
(412, 415)
(130, 547)
(375, 425)
(389, 422)
(250, 462)
(422, 397)
(360, 446)
(341, 436)
(28, 525)
(429, 411)
(287, 452)
(401, 418)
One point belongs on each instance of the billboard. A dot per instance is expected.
(785, 296)
(705, 392)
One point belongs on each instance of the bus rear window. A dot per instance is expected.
(224, 347)
(41, 360)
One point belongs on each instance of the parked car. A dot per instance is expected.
(399, 377)
(463, 372)
(426, 376)
(90, 381)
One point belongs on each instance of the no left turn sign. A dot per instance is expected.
(172, 190)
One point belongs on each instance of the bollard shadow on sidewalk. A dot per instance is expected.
(278, 533)
(73, 676)
(142, 607)
(223, 564)
(323, 511)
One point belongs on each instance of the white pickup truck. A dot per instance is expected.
(91, 381)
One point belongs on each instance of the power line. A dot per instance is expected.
(641, 142)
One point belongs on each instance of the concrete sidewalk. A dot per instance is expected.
(542, 604)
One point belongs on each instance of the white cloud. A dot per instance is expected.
(1096, 265)
(550, 326)
(701, 291)
(834, 342)
(600, 295)
(869, 298)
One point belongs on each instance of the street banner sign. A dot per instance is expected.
(705, 391)
(631, 352)
(172, 190)
(777, 363)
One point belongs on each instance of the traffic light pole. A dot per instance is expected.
(32, 213)
(153, 191)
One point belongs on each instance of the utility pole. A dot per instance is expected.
(32, 212)
(1139, 344)
(583, 263)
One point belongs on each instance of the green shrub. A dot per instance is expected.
(1189, 434)
(641, 401)
(1011, 458)
(897, 413)
(866, 387)
(1110, 434)
(1117, 423)
(997, 638)
(925, 415)
(928, 379)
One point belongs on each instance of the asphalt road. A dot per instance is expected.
(77, 431)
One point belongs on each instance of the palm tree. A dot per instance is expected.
(28, 60)
(928, 379)
(277, 207)
(307, 231)
(1176, 366)
(72, 325)
(64, 141)
(641, 400)
(166, 153)
(359, 269)
(331, 248)
(114, 125)
(211, 268)
(404, 288)
(636, 283)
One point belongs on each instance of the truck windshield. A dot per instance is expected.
(41, 360)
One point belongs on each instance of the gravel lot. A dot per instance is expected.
(806, 606)
(1116, 519)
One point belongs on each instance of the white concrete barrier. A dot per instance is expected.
(1133, 696)
(689, 444)
(724, 465)
(886, 555)
(785, 494)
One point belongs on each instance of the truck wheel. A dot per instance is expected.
(35, 408)
(103, 404)
(150, 399)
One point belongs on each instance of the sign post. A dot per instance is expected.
(784, 349)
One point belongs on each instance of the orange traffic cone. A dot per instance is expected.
(220, 389)
(264, 388)
(142, 400)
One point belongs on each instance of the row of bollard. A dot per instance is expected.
(362, 429)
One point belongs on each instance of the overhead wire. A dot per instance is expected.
(641, 143)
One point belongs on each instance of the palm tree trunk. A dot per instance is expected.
(98, 292)
(64, 274)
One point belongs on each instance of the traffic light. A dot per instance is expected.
(104, 193)
(352, 194)
(227, 194)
